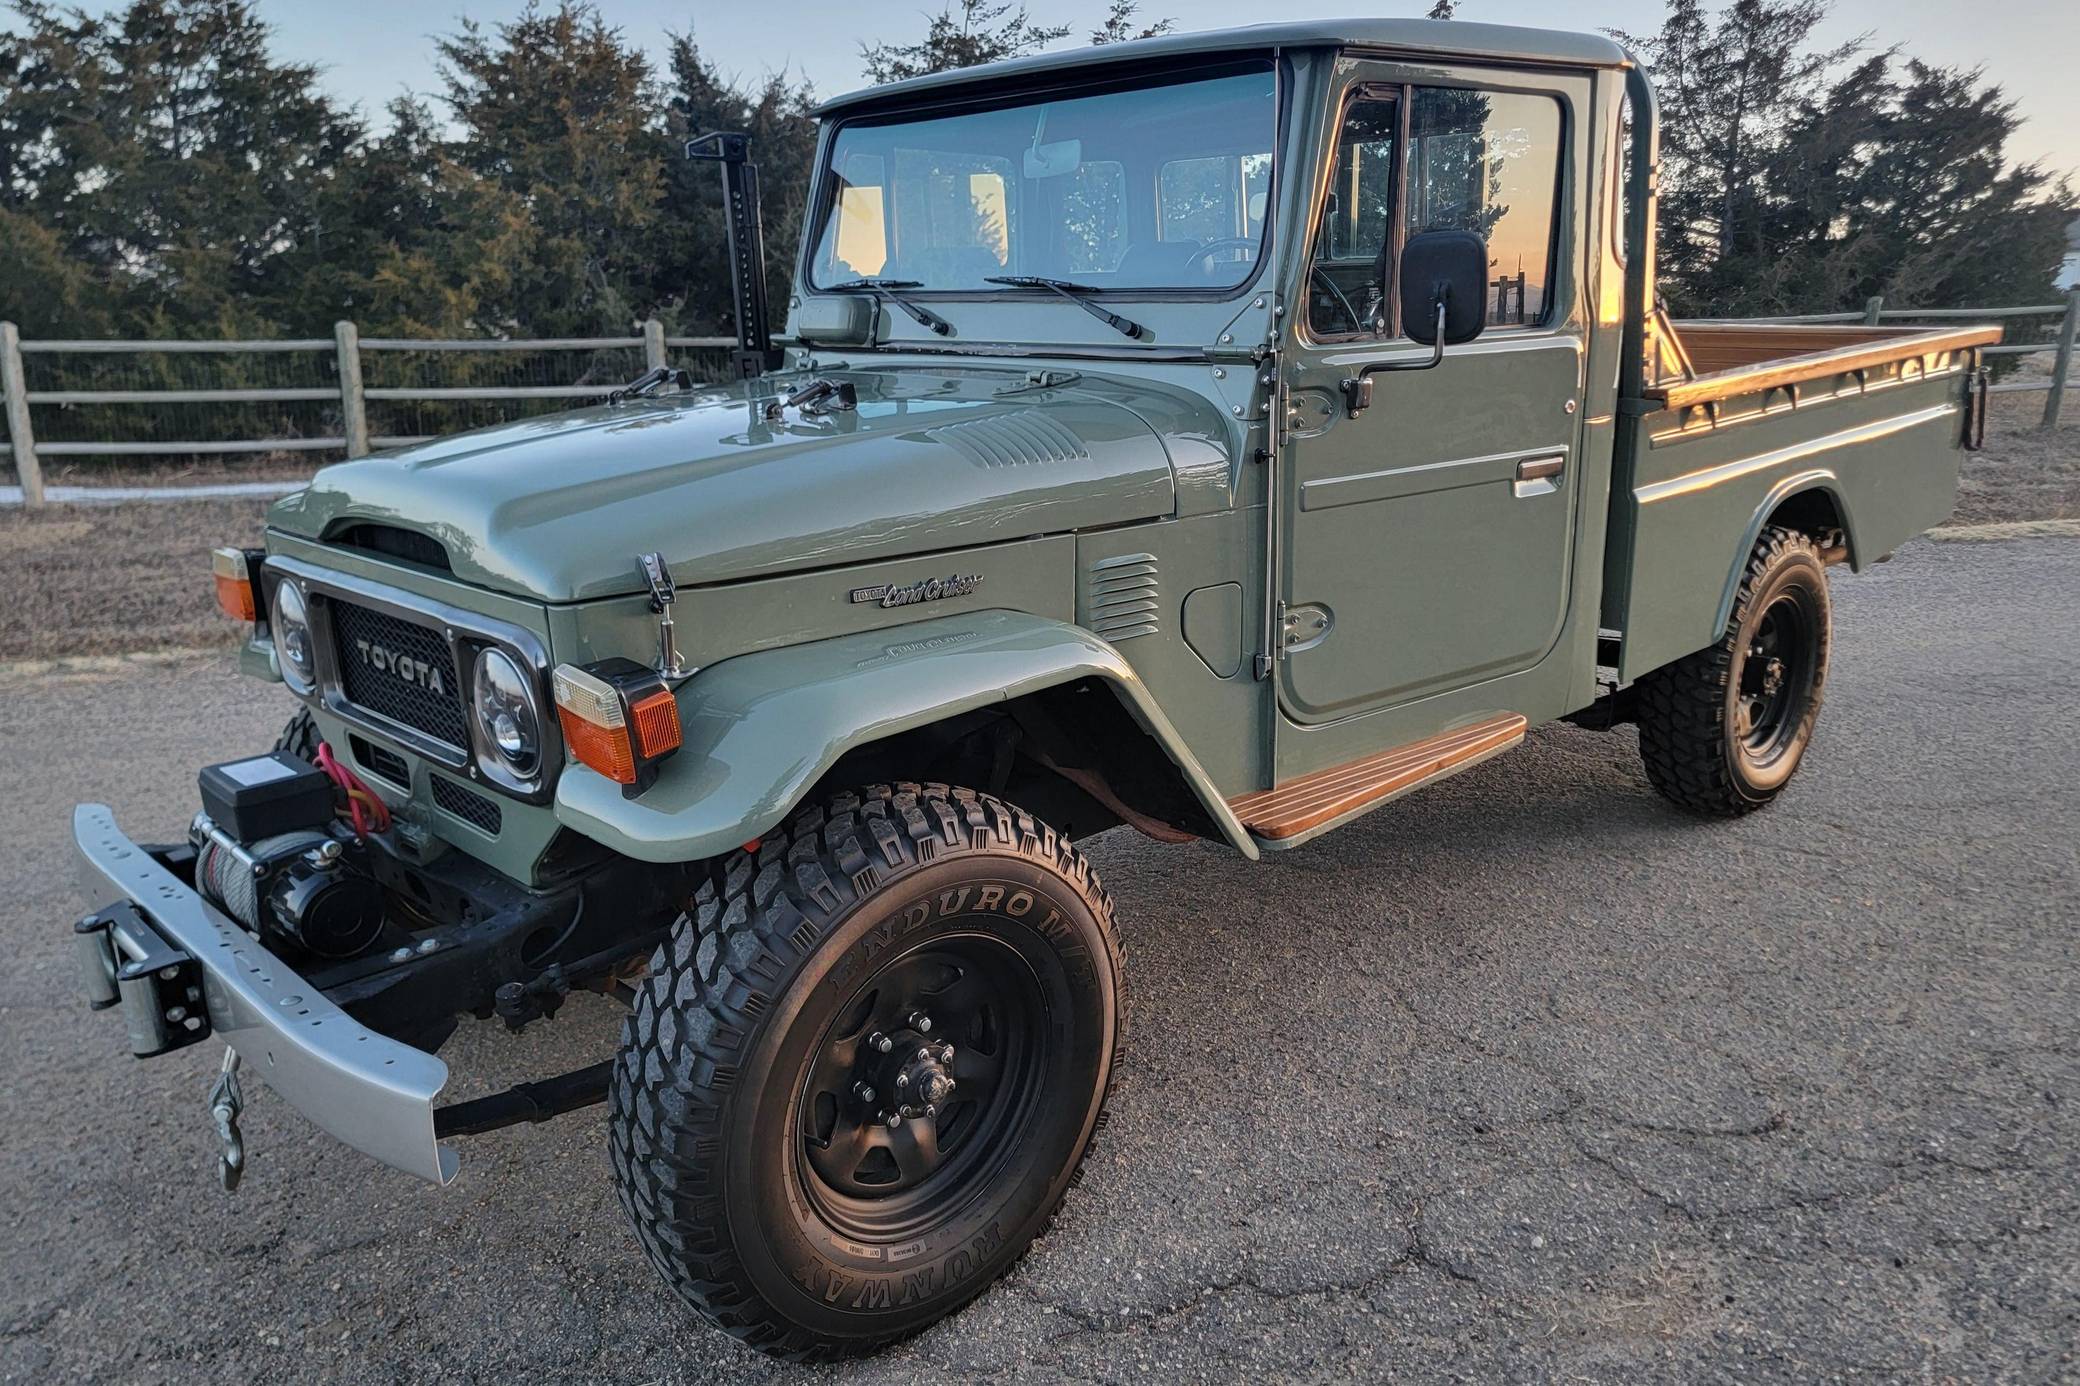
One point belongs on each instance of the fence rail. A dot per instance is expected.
(87, 392)
(604, 363)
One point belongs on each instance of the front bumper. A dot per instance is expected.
(364, 1088)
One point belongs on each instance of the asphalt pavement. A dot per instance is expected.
(1526, 1077)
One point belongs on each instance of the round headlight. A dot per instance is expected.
(508, 727)
(292, 638)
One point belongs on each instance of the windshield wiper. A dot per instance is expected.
(1074, 292)
(886, 288)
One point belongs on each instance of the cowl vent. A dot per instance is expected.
(1023, 438)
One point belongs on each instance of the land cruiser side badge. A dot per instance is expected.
(930, 590)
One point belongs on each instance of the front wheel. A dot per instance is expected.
(866, 1069)
(1721, 731)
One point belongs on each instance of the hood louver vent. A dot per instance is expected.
(407, 545)
(1123, 596)
(1024, 438)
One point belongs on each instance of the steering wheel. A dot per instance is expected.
(1248, 243)
(1321, 277)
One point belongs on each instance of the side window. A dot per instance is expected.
(1490, 162)
(1094, 217)
(1345, 290)
(1199, 199)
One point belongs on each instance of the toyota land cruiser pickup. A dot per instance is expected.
(1218, 436)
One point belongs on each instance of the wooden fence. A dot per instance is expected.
(347, 379)
(88, 408)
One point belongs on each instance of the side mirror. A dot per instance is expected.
(1444, 287)
(1444, 301)
(836, 319)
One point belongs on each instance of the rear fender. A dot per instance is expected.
(762, 728)
(1818, 479)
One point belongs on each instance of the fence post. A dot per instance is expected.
(2064, 361)
(15, 382)
(353, 405)
(653, 343)
(1874, 309)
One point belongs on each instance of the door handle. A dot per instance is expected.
(1539, 468)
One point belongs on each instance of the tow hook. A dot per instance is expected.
(225, 1103)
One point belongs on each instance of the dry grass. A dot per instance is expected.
(109, 579)
(112, 579)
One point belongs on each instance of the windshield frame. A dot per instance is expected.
(982, 96)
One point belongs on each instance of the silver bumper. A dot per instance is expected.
(366, 1089)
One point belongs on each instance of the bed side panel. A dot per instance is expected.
(1700, 483)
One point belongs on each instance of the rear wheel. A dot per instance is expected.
(864, 1072)
(1722, 731)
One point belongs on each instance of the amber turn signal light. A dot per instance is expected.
(234, 571)
(618, 717)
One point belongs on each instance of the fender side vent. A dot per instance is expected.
(1122, 596)
(1024, 437)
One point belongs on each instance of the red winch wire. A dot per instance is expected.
(368, 812)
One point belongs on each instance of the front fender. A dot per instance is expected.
(762, 728)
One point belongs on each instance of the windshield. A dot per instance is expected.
(1151, 187)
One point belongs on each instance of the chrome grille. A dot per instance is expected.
(359, 632)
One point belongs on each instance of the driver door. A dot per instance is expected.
(1427, 539)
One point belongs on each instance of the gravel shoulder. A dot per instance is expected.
(1522, 1078)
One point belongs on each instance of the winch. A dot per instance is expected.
(268, 855)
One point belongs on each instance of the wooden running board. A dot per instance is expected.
(1312, 800)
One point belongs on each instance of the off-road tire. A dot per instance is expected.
(1691, 737)
(300, 737)
(708, 1103)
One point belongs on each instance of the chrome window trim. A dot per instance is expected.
(465, 632)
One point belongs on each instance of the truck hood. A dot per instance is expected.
(557, 509)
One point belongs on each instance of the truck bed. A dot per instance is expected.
(1865, 425)
(1719, 360)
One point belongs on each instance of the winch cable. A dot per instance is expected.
(364, 807)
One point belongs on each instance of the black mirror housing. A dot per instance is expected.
(1448, 268)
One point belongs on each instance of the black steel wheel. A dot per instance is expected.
(861, 1077)
(1722, 731)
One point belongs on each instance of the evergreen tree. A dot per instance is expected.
(556, 221)
(1119, 25)
(171, 158)
(695, 271)
(964, 34)
(1787, 188)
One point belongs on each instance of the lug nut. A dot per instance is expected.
(931, 1109)
(920, 1022)
(863, 1092)
(945, 1053)
(924, 1056)
(894, 1120)
(880, 1042)
(902, 1080)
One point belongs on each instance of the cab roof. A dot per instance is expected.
(1430, 38)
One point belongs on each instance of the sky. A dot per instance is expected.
(372, 50)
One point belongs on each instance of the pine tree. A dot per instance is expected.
(964, 34)
(1119, 25)
(557, 219)
(695, 274)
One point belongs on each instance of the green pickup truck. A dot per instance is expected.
(1217, 435)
